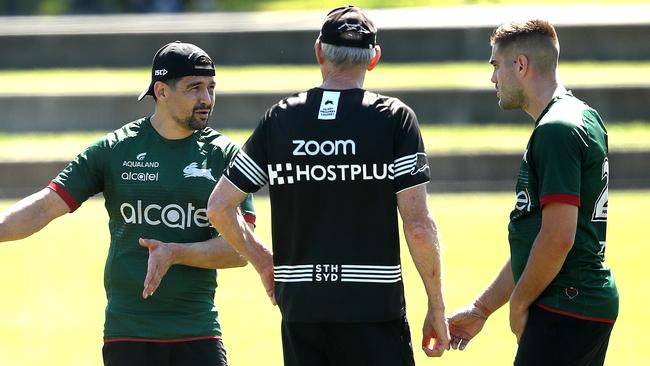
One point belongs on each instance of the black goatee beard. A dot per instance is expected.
(193, 123)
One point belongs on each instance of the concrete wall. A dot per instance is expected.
(84, 113)
(588, 42)
(498, 172)
(19, 179)
(586, 33)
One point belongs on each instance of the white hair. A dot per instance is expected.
(342, 55)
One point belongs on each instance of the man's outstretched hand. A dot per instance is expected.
(464, 324)
(161, 257)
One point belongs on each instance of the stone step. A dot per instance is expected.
(243, 110)
(449, 173)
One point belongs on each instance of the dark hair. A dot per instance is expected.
(536, 37)
(171, 82)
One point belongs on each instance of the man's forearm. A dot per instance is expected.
(421, 235)
(544, 263)
(237, 233)
(424, 246)
(547, 255)
(213, 254)
(498, 292)
(30, 215)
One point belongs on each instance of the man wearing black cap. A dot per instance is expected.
(340, 162)
(156, 175)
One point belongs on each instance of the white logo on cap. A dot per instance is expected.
(203, 67)
(161, 72)
(353, 27)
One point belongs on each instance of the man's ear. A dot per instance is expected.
(522, 64)
(318, 51)
(375, 60)
(159, 89)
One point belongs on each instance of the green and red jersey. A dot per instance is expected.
(158, 189)
(566, 161)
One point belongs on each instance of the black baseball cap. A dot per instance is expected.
(348, 26)
(178, 59)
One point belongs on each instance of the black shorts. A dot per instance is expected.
(347, 344)
(204, 352)
(559, 340)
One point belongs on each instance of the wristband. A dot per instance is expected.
(478, 304)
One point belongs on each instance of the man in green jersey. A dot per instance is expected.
(563, 299)
(156, 175)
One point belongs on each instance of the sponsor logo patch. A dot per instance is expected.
(139, 176)
(140, 163)
(523, 201)
(327, 147)
(329, 105)
(193, 170)
(172, 215)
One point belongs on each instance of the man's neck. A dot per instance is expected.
(167, 128)
(540, 95)
(342, 78)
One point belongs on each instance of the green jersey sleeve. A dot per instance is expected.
(557, 152)
(83, 177)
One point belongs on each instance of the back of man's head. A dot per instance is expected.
(348, 37)
(535, 38)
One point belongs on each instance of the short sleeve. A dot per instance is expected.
(557, 159)
(410, 166)
(83, 177)
(247, 170)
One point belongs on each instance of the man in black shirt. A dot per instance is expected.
(340, 161)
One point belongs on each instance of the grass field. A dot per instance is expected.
(52, 296)
(288, 78)
(439, 139)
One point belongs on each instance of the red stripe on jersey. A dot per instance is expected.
(130, 339)
(560, 198)
(67, 197)
(562, 312)
(250, 218)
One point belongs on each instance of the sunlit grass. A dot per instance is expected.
(53, 293)
(439, 139)
(443, 139)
